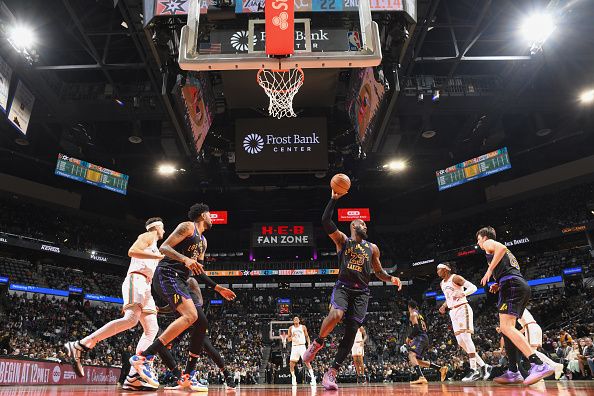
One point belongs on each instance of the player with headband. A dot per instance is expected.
(139, 304)
(455, 289)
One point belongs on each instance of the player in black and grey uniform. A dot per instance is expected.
(418, 344)
(358, 258)
(514, 294)
(184, 250)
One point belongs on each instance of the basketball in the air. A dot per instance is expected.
(340, 183)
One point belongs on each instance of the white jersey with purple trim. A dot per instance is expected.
(526, 318)
(532, 330)
(450, 290)
(145, 266)
(297, 335)
(358, 348)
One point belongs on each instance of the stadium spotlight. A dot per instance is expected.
(536, 29)
(587, 96)
(167, 169)
(396, 165)
(21, 37)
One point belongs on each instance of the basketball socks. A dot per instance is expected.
(320, 340)
(191, 363)
(472, 362)
(479, 360)
(545, 359)
(156, 347)
(512, 354)
(418, 371)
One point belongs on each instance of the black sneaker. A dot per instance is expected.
(229, 382)
(75, 351)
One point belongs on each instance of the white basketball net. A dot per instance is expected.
(281, 86)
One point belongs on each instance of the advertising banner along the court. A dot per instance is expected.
(37, 372)
(282, 234)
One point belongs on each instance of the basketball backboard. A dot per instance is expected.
(340, 34)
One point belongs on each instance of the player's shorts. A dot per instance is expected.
(462, 319)
(169, 287)
(514, 295)
(164, 308)
(419, 345)
(533, 333)
(358, 349)
(297, 352)
(136, 290)
(352, 302)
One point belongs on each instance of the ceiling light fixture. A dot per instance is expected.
(587, 96)
(536, 29)
(167, 169)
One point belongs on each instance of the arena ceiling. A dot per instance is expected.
(95, 53)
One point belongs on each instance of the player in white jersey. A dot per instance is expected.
(358, 351)
(139, 304)
(533, 333)
(455, 289)
(297, 336)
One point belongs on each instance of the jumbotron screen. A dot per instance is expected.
(96, 175)
(485, 165)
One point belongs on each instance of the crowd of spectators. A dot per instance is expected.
(62, 227)
(37, 327)
(551, 212)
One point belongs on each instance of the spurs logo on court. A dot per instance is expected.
(253, 143)
(281, 21)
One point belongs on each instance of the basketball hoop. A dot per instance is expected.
(281, 86)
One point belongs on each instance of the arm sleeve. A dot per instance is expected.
(470, 288)
(206, 280)
(327, 222)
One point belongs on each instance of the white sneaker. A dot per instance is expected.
(558, 371)
(313, 381)
(135, 383)
(487, 369)
(472, 376)
(144, 369)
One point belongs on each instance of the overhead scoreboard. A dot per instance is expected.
(485, 165)
(96, 175)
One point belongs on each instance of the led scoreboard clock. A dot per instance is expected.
(282, 234)
(485, 165)
(96, 175)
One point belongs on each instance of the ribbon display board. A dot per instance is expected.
(42, 372)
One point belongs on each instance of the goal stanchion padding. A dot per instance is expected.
(280, 27)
